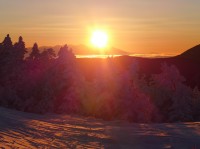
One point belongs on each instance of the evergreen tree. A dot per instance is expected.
(51, 53)
(6, 49)
(66, 81)
(20, 49)
(48, 54)
(7, 59)
(7, 43)
(65, 54)
(35, 53)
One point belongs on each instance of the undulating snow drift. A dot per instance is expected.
(25, 130)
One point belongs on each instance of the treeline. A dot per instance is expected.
(45, 82)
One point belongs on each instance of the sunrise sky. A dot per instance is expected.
(137, 26)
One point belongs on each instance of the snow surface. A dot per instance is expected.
(25, 130)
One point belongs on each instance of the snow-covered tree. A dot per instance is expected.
(170, 94)
(137, 103)
(65, 79)
(169, 77)
(181, 108)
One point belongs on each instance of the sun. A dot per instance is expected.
(99, 39)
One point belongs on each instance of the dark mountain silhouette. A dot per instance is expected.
(188, 64)
(191, 54)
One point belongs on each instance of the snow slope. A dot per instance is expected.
(25, 130)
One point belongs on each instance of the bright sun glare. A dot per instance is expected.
(99, 39)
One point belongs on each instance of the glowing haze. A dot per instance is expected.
(138, 26)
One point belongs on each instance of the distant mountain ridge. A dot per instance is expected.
(190, 54)
(85, 50)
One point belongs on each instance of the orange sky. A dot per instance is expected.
(142, 26)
